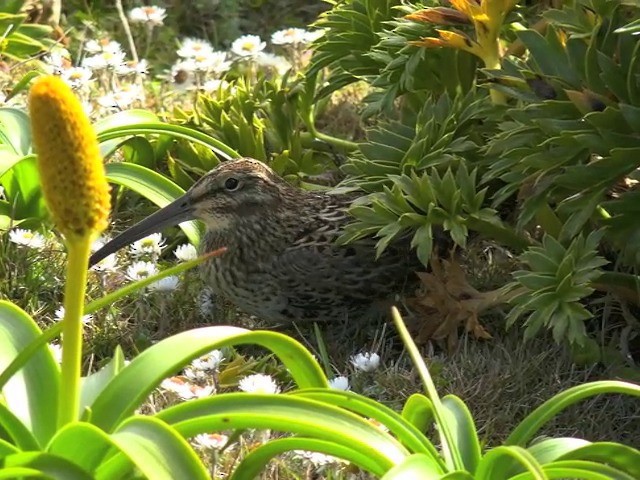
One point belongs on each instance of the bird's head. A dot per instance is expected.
(237, 190)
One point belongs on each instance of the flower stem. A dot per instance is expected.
(77, 261)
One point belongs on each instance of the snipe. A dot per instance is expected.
(282, 263)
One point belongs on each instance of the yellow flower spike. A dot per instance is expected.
(69, 161)
(77, 194)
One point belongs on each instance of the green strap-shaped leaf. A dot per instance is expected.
(464, 431)
(416, 466)
(93, 384)
(153, 186)
(549, 409)
(7, 448)
(255, 461)
(418, 410)
(622, 457)
(177, 131)
(134, 383)
(14, 431)
(124, 119)
(157, 450)
(496, 463)
(578, 469)
(51, 466)
(106, 300)
(404, 431)
(81, 443)
(32, 393)
(15, 130)
(20, 472)
(285, 413)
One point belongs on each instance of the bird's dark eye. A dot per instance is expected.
(231, 183)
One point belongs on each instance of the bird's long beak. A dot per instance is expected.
(178, 211)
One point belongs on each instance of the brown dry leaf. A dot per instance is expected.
(445, 302)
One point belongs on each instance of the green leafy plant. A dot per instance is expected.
(127, 130)
(55, 424)
(20, 40)
(535, 152)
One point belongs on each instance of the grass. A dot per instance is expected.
(501, 380)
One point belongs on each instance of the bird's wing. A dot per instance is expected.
(316, 273)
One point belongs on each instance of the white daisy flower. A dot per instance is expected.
(182, 74)
(149, 245)
(248, 46)
(99, 242)
(210, 361)
(214, 85)
(107, 264)
(151, 15)
(339, 383)
(76, 77)
(59, 315)
(102, 45)
(366, 362)
(215, 62)
(259, 383)
(186, 252)
(104, 60)
(141, 270)
(318, 459)
(276, 62)
(192, 47)
(166, 284)
(58, 60)
(211, 441)
(184, 389)
(195, 375)
(312, 35)
(130, 67)
(27, 238)
(289, 36)
(120, 100)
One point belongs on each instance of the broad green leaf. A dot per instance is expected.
(93, 384)
(418, 410)
(126, 118)
(450, 454)
(51, 466)
(153, 186)
(157, 450)
(81, 443)
(404, 431)
(32, 393)
(7, 448)
(496, 463)
(254, 462)
(137, 380)
(413, 467)
(8, 158)
(20, 472)
(138, 150)
(165, 129)
(12, 429)
(552, 407)
(15, 130)
(463, 428)
(622, 457)
(285, 413)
